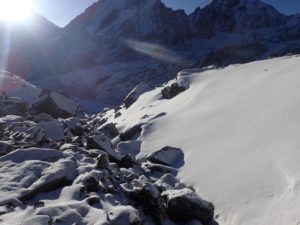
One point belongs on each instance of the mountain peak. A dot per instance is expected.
(234, 2)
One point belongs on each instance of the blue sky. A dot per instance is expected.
(63, 11)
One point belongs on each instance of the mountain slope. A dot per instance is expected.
(115, 45)
(112, 34)
(24, 47)
(238, 128)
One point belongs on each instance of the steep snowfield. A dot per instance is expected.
(239, 129)
(14, 86)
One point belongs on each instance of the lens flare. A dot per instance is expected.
(15, 10)
(157, 51)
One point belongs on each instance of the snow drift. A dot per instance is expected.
(239, 130)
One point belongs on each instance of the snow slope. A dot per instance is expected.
(15, 86)
(239, 129)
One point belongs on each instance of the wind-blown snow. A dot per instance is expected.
(15, 86)
(239, 130)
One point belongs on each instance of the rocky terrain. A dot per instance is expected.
(69, 168)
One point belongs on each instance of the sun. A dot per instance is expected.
(15, 10)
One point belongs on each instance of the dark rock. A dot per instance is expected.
(77, 140)
(109, 130)
(55, 104)
(5, 148)
(131, 133)
(134, 94)
(127, 161)
(151, 200)
(93, 200)
(43, 117)
(48, 143)
(172, 91)
(102, 161)
(111, 190)
(13, 106)
(2, 129)
(74, 125)
(117, 114)
(38, 204)
(168, 156)
(53, 130)
(185, 205)
(91, 184)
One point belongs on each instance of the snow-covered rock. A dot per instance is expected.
(124, 215)
(102, 142)
(168, 156)
(134, 94)
(25, 173)
(109, 130)
(171, 91)
(9, 119)
(185, 205)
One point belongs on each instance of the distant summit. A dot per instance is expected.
(96, 43)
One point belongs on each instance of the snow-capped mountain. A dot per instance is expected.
(24, 46)
(115, 45)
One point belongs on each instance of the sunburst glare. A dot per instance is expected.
(15, 10)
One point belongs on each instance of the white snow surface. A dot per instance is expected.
(15, 86)
(239, 130)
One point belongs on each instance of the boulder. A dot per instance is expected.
(103, 143)
(124, 215)
(169, 182)
(2, 129)
(168, 156)
(89, 181)
(25, 173)
(102, 161)
(129, 147)
(185, 205)
(74, 125)
(6, 147)
(150, 198)
(42, 117)
(55, 104)
(131, 132)
(109, 130)
(172, 91)
(65, 147)
(53, 130)
(127, 161)
(13, 106)
(134, 94)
